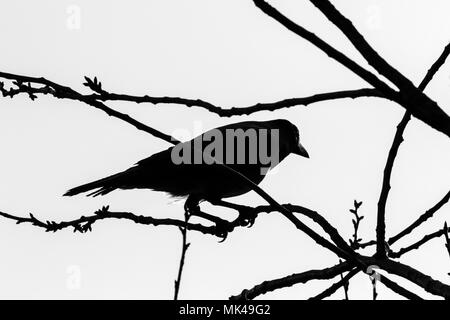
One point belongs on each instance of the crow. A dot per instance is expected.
(198, 168)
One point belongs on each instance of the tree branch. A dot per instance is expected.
(239, 111)
(424, 217)
(326, 48)
(63, 92)
(411, 98)
(398, 289)
(84, 223)
(398, 139)
(184, 247)
(446, 231)
(296, 278)
(335, 286)
(426, 282)
(386, 186)
(417, 244)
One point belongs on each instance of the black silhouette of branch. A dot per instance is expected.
(356, 241)
(374, 288)
(386, 186)
(398, 289)
(63, 92)
(239, 111)
(84, 223)
(398, 139)
(417, 244)
(424, 281)
(335, 286)
(366, 75)
(56, 90)
(424, 217)
(411, 98)
(288, 281)
(345, 285)
(184, 247)
(246, 217)
(447, 239)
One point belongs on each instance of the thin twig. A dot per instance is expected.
(447, 239)
(184, 248)
(345, 285)
(64, 92)
(386, 186)
(366, 75)
(424, 217)
(417, 244)
(355, 242)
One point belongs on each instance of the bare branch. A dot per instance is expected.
(184, 247)
(426, 282)
(447, 239)
(411, 98)
(239, 111)
(386, 186)
(335, 286)
(326, 48)
(417, 244)
(435, 68)
(356, 241)
(291, 280)
(84, 223)
(398, 139)
(66, 92)
(345, 285)
(358, 41)
(63, 92)
(424, 217)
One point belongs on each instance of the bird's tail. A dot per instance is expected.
(103, 186)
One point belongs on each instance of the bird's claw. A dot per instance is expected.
(249, 222)
(223, 237)
(247, 217)
(222, 230)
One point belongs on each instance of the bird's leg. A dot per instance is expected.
(191, 205)
(193, 208)
(247, 215)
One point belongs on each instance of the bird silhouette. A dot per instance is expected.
(196, 168)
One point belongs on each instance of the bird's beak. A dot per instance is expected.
(301, 151)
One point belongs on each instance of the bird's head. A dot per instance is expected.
(290, 138)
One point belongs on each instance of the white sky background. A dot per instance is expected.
(229, 53)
